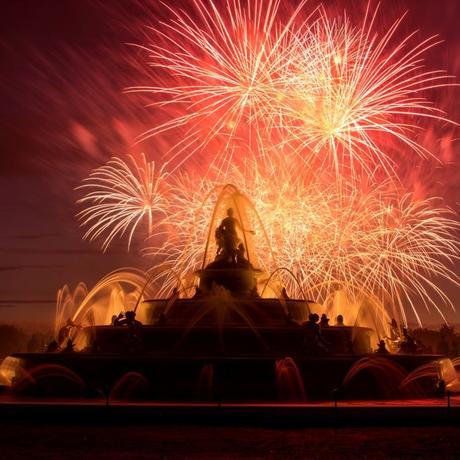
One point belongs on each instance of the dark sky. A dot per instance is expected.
(63, 67)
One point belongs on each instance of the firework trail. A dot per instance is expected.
(190, 207)
(354, 88)
(120, 196)
(229, 67)
(413, 246)
(313, 86)
(307, 115)
(372, 239)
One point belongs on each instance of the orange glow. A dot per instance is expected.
(312, 87)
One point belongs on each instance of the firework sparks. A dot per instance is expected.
(412, 246)
(120, 196)
(353, 89)
(229, 68)
(374, 239)
(190, 207)
(316, 87)
(294, 110)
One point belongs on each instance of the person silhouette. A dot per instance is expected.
(313, 341)
(324, 322)
(130, 320)
(311, 328)
(117, 319)
(53, 347)
(69, 348)
(133, 338)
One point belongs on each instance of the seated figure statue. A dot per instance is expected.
(240, 257)
(408, 345)
(231, 267)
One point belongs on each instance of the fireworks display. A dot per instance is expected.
(119, 197)
(225, 70)
(371, 239)
(355, 87)
(310, 116)
(312, 86)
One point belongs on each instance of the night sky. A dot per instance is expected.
(63, 68)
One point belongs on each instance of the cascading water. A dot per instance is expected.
(50, 380)
(289, 382)
(117, 292)
(131, 386)
(228, 330)
(374, 376)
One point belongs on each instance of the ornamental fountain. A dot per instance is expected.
(229, 331)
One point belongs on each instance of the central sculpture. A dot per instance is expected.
(238, 337)
(230, 268)
(229, 246)
(227, 237)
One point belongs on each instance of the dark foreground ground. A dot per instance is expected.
(34, 441)
(89, 429)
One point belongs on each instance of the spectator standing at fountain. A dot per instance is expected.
(130, 320)
(344, 338)
(324, 321)
(339, 321)
(53, 347)
(117, 319)
(313, 341)
(311, 329)
(69, 348)
(133, 338)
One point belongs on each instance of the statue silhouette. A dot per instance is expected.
(227, 236)
(240, 257)
(381, 348)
